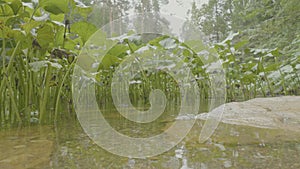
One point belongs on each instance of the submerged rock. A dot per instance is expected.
(274, 113)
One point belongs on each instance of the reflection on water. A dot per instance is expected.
(231, 146)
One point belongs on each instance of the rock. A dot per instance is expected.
(273, 113)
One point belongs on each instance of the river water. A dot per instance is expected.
(231, 146)
(67, 146)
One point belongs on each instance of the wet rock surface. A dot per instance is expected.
(274, 113)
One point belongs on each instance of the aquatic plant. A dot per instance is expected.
(40, 41)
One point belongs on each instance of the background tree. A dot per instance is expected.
(266, 24)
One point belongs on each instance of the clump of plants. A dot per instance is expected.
(252, 72)
(39, 43)
(147, 80)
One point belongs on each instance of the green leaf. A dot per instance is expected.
(2, 2)
(84, 30)
(109, 60)
(260, 67)
(15, 6)
(248, 77)
(186, 53)
(6, 10)
(275, 52)
(83, 11)
(70, 44)
(55, 6)
(118, 50)
(272, 67)
(196, 45)
(38, 65)
(28, 26)
(156, 41)
(59, 18)
(240, 44)
(134, 47)
(17, 35)
(45, 35)
(14, 20)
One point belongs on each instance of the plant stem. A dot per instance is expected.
(60, 89)
(46, 91)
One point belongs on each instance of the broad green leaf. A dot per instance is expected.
(55, 6)
(186, 53)
(196, 45)
(45, 35)
(272, 67)
(260, 67)
(275, 52)
(59, 35)
(84, 30)
(83, 11)
(15, 6)
(14, 20)
(38, 65)
(71, 44)
(6, 10)
(2, 2)
(17, 35)
(156, 41)
(28, 26)
(240, 44)
(58, 17)
(5, 31)
(118, 50)
(249, 66)
(109, 60)
(134, 47)
(248, 77)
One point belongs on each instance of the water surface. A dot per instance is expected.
(231, 146)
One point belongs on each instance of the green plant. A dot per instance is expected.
(37, 55)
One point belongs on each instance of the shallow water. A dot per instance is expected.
(29, 147)
(231, 146)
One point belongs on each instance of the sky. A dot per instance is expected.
(180, 8)
(177, 9)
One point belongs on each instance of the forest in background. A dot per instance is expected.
(264, 40)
